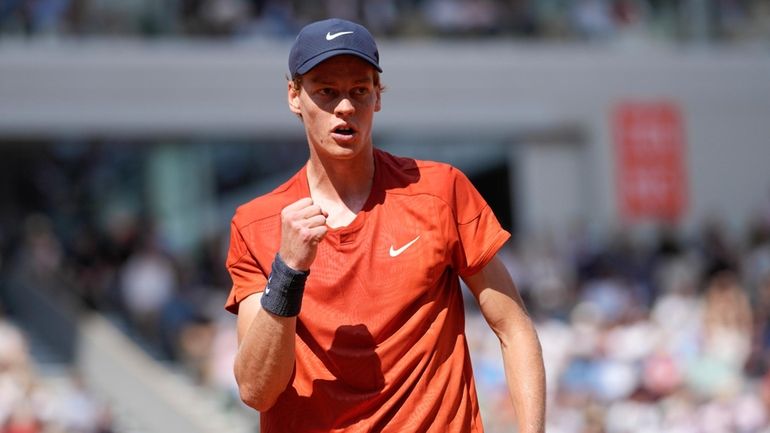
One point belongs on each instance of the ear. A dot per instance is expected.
(293, 98)
(378, 101)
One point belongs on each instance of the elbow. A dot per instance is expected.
(253, 392)
(256, 399)
(515, 334)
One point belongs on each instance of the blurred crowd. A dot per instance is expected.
(711, 20)
(671, 335)
(31, 402)
(71, 228)
(74, 222)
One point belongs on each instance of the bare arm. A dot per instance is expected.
(265, 359)
(505, 313)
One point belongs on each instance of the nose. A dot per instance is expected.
(344, 108)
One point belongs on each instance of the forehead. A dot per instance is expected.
(342, 67)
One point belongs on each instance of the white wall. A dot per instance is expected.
(552, 182)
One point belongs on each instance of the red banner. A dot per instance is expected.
(650, 160)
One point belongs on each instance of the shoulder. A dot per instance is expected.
(442, 182)
(268, 206)
(417, 172)
(415, 176)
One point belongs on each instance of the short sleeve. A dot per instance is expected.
(479, 234)
(247, 275)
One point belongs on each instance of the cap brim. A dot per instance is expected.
(313, 62)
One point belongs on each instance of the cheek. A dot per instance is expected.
(310, 112)
(314, 121)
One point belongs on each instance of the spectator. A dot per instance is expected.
(30, 403)
(727, 321)
(148, 281)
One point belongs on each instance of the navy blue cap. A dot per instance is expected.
(321, 40)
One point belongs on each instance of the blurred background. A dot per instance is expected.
(624, 143)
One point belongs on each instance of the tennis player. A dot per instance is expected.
(346, 277)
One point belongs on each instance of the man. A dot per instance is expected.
(345, 278)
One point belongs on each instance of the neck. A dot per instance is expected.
(341, 185)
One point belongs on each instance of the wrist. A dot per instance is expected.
(284, 290)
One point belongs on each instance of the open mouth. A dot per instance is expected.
(344, 130)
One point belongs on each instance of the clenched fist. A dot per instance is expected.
(303, 226)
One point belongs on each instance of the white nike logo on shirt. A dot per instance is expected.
(394, 253)
(330, 35)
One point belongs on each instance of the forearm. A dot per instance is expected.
(267, 321)
(525, 375)
(504, 310)
(265, 359)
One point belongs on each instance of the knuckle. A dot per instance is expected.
(305, 234)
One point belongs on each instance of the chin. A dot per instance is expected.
(344, 152)
(345, 148)
(349, 149)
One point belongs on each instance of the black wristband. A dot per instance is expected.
(285, 286)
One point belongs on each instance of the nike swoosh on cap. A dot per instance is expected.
(330, 36)
(394, 253)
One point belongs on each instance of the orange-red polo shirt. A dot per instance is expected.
(380, 343)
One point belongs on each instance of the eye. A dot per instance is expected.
(361, 91)
(327, 91)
